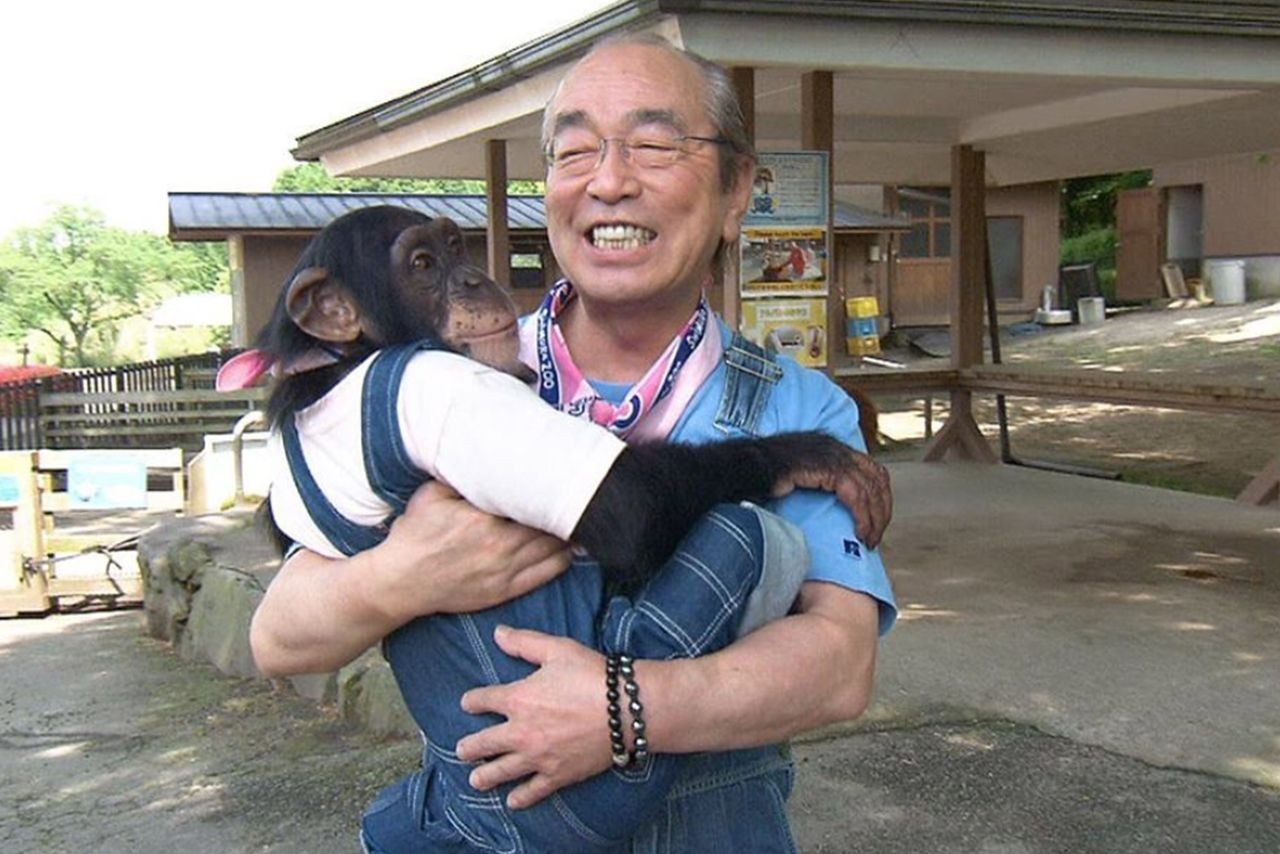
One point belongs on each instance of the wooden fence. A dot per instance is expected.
(157, 404)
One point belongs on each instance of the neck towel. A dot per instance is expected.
(653, 406)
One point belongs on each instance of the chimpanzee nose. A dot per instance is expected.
(472, 277)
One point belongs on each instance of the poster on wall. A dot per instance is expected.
(793, 327)
(783, 262)
(784, 249)
(790, 189)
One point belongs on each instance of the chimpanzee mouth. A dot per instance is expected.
(504, 331)
(620, 236)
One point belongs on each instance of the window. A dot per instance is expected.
(1004, 243)
(930, 212)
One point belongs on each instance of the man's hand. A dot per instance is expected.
(862, 486)
(555, 733)
(445, 556)
(442, 555)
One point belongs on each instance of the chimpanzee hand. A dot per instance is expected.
(554, 734)
(863, 486)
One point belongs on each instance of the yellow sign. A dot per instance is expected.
(793, 327)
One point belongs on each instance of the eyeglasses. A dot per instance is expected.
(580, 153)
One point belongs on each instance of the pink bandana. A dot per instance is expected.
(652, 407)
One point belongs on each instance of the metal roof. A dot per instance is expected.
(1260, 18)
(213, 216)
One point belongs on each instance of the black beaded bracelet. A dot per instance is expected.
(623, 666)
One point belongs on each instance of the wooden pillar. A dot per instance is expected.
(817, 133)
(744, 83)
(498, 239)
(817, 128)
(1265, 488)
(968, 292)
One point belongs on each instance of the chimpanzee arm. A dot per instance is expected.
(655, 492)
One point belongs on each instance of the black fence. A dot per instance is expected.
(22, 424)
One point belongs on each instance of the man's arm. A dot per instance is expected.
(442, 556)
(792, 675)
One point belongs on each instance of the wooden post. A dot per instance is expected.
(21, 592)
(817, 128)
(968, 289)
(817, 133)
(498, 240)
(744, 83)
(1265, 488)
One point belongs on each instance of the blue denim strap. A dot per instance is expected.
(346, 536)
(390, 472)
(750, 374)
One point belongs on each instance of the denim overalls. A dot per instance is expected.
(694, 606)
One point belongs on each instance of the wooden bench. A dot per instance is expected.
(142, 418)
(1117, 387)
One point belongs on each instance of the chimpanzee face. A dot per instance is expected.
(440, 290)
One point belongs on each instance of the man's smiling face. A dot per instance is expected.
(624, 234)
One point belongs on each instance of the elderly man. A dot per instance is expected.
(649, 174)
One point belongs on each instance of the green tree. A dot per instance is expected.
(73, 278)
(1089, 204)
(312, 178)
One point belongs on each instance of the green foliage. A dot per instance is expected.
(1090, 203)
(73, 279)
(312, 178)
(1097, 245)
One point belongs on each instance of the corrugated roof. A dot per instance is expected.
(210, 216)
(204, 216)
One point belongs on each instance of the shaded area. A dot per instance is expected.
(998, 787)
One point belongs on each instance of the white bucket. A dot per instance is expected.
(1226, 278)
(1091, 310)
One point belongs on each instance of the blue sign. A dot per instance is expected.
(106, 482)
(8, 490)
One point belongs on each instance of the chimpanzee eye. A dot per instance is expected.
(420, 260)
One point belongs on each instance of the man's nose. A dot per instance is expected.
(615, 176)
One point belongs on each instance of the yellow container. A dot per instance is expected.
(864, 345)
(861, 307)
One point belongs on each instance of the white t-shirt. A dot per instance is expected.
(481, 431)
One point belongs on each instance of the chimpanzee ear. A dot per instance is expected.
(322, 308)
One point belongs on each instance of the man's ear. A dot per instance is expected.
(739, 198)
(322, 308)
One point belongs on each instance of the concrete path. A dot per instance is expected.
(1082, 666)
(110, 743)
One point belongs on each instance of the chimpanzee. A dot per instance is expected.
(375, 395)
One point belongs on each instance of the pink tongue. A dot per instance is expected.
(242, 371)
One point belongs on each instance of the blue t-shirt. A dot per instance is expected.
(802, 399)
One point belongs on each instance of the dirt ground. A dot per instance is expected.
(1193, 451)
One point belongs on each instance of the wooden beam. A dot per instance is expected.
(968, 294)
(968, 259)
(817, 113)
(498, 239)
(817, 133)
(960, 436)
(744, 83)
(1265, 488)
(1124, 388)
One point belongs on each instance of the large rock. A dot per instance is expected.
(367, 692)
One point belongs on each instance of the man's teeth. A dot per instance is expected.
(620, 236)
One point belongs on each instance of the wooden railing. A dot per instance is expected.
(154, 404)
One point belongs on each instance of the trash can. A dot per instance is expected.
(1226, 281)
(1091, 310)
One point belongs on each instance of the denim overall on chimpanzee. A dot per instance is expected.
(692, 607)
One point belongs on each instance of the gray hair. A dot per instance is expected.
(720, 99)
